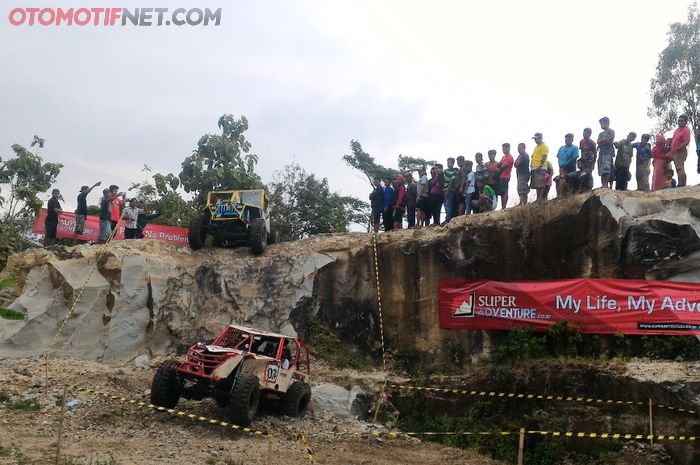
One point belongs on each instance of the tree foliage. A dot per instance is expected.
(22, 178)
(302, 205)
(676, 87)
(364, 163)
(221, 161)
(408, 163)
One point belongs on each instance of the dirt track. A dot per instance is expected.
(97, 430)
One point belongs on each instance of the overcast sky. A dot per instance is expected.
(431, 79)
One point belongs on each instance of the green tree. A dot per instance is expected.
(221, 161)
(22, 178)
(676, 87)
(408, 163)
(364, 163)
(302, 205)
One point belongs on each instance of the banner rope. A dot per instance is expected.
(381, 324)
(71, 310)
(178, 413)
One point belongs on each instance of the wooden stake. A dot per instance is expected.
(521, 446)
(379, 405)
(46, 376)
(60, 424)
(269, 450)
(651, 423)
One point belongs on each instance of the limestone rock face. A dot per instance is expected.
(136, 297)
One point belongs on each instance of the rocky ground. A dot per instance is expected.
(100, 431)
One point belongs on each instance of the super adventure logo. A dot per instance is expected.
(495, 306)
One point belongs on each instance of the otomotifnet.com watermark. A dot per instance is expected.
(114, 17)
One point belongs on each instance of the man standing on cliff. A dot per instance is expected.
(522, 170)
(105, 216)
(411, 198)
(606, 152)
(506, 166)
(117, 205)
(679, 148)
(388, 215)
(376, 200)
(53, 209)
(538, 164)
(81, 211)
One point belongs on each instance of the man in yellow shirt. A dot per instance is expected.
(538, 171)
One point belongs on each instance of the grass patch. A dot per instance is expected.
(489, 416)
(327, 346)
(13, 452)
(566, 341)
(91, 461)
(26, 405)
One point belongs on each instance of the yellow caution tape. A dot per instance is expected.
(565, 434)
(513, 395)
(618, 436)
(179, 413)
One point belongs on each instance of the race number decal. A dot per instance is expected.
(272, 372)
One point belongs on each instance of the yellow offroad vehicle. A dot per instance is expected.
(231, 218)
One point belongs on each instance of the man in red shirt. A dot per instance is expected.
(505, 165)
(679, 148)
(117, 204)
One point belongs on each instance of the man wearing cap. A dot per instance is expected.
(81, 211)
(537, 166)
(606, 152)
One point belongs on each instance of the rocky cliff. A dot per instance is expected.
(148, 297)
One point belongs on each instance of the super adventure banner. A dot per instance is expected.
(594, 306)
(66, 229)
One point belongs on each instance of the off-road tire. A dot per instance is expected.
(273, 237)
(296, 400)
(165, 389)
(258, 236)
(245, 398)
(195, 231)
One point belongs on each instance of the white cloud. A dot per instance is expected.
(431, 79)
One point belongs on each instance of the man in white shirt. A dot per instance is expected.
(131, 216)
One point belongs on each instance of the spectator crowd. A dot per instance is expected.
(112, 210)
(476, 186)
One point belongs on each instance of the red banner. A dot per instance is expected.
(66, 228)
(595, 306)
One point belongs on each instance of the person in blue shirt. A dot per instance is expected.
(567, 155)
(388, 215)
